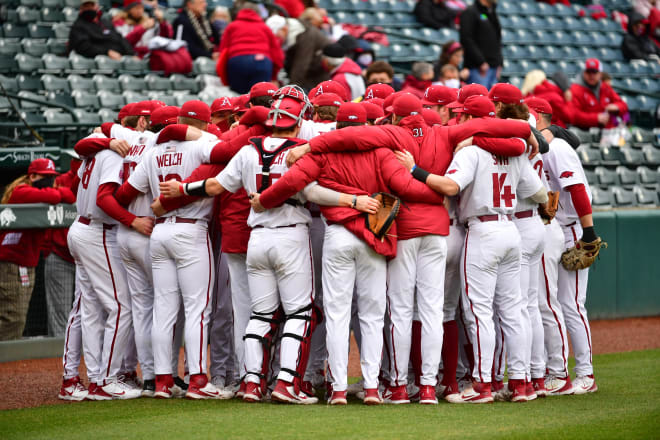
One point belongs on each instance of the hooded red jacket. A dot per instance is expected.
(561, 110)
(347, 67)
(432, 148)
(585, 106)
(249, 35)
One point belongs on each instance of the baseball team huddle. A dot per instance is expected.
(451, 234)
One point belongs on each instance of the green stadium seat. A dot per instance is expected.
(52, 15)
(57, 117)
(130, 96)
(134, 66)
(623, 197)
(601, 198)
(9, 47)
(130, 82)
(75, 3)
(110, 99)
(52, 83)
(157, 83)
(9, 83)
(77, 82)
(183, 98)
(61, 30)
(59, 4)
(612, 155)
(592, 178)
(11, 30)
(167, 98)
(181, 82)
(57, 46)
(33, 118)
(647, 176)
(588, 155)
(40, 31)
(107, 115)
(651, 155)
(606, 176)
(55, 63)
(28, 104)
(626, 175)
(28, 82)
(80, 63)
(85, 99)
(646, 197)
(204, 65)
(106, 64)
(27, 63)
(30, 3)
(70, 14)
(106, 83)
(62, 98)
(27, 15)
(632, 156)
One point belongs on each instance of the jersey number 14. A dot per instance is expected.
(502, 191)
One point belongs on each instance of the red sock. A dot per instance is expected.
(416, 350)
(449, 352)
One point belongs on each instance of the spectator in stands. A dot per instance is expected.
(636, 44)
(253, 52)
(644, 7)
(452, 53)
(19, 248)
(435, 13)
(303, 58)
(343, 70)
(420, 78)
(379, 72)
(139, 28)
(481, 36)
(594, 103)
(293, 7)
(202, 38)
(449, 76)
(220, 19)
(552, 90)
(90, 35)
(358, 50)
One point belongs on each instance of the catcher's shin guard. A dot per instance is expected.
(299, 326)
(258, 339)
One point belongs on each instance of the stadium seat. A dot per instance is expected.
(623, 197)
(28, 82)
(27, 15)
(606, 177)
(57, 46)
(53, 3)
(54, 63)
(30, 3)
(52, 83)
(611, 155)
(81, 64)
(632, 156)
(9, 83)
(131, 96)
(28, 104)
(592, 178)
(601, 198)
(9, 47)
(27, 63)
(203, 65)
(130, 82)
(107, 115)
(110, 99)
(586, 138)
(57, 117)
(646, 197)
(52, 15)
(134, 66)
(167, 98)
(11, 30)
(70, 14)
(647, 176)
(157, 83)
(106, 83)
(106, 64)
(626, 175)
(651, 155)
(61, 30)
(40, 31)
(588, 155)
(85, 99)
(77, 82)
(181, 82)
(62, 98)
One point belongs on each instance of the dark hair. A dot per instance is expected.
(379, 66)
(156, 128)
(445, 54)
(262, 101)
(344, 124)
(326, 112)
(514, 111)
(547, 118)
(131, 121)
(193, 122)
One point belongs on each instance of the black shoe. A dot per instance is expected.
(149, 388)
(180, 383)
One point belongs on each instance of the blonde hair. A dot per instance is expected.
(532, 79)
(23, 180)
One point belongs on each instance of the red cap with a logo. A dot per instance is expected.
(262, 89)
(539, 105)
(165, 115)
(387, 104)
(466, 91)
(124, 111)
(240, 103)
(506, 93)
(42, 166)
(222, 104)
(374, 111)
(196, 110)
(142, 108)
(431, 117)
(352, 112)
(406, 105)
(379, 90)
(330, 87)
(327, 99)
(439, 95)
(477, 106)
(593, 65)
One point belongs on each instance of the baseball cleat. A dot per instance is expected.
(95, 392)
(496, 386)
(307, 388)
(200, 388)
(252, 392)
(149, 388)
(559, 386)
(585, 384)
(338, 398)
(180, 383)
(166, 387)
(413, 392)
(285, 392)
(396, 395)
(131, 379)
(449, 393)
(72, 390)
(464, 382)
(427, 395)
(530, 393)
(477, 393)
(539, 387)
(372, 396)
(517, 390)
(241, 390)
(119, 390)
(318, 379)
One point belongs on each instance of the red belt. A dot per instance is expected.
(316, 214)
(275, 227)
(491, 218)
(451, 222)
(571, 224)
(524, 214)
(176, 220)
(87, 221)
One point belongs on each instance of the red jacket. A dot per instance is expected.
(349, 67)
(249, 35)
(415, 86)
(585, 106)
(561, 110)
(22, 246)
(58, 240)
(432, 148)
(293, 7)
(379, 171)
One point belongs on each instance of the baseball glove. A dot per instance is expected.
(548, 210)
(582, 255)
(381, 222)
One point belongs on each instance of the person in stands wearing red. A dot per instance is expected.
(19, 248)
(252, 51)
(139, 28)
(293, 7)
(554, 90)
(594, 103)
(343, 70)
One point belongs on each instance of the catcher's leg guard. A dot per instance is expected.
(258, 341)
(296, 343)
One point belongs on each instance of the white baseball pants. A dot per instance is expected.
(182, 263)
(416, 274)
(240, 304)
(348, 262)
(72, 337)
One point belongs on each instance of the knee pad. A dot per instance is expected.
(313, 315)
(267, 324)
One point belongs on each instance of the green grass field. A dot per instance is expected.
(626, 406)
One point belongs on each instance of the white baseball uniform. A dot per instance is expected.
(564, 169)
(490, 266)
(73, 337)
(106, 309)
(181, 254)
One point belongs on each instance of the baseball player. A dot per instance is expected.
(490, 268)
(105, 303)
(436, 98)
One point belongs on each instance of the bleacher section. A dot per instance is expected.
(62, 96)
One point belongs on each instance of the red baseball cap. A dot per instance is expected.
(262, 89)
(327, 99)
(222, 104)
(165, 115)
(330, 87)
(142, 108)
(439, 95)
(196, 110)
(352, 112)
(593, 65)
(431, 117)
(539, 105)
(390, 100)
(285, 113)
(506, 93)
(42, 166)
(374, 111)
(240, 103)
(379, 90)
(406, 105)
(477, 106)
(379, 102)
(155, 103)
(128, 4)
(124, 111)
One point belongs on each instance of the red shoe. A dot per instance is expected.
(372, 397)
(529, 391)
(477, 393)
(539, 387)
(241, 390)
(307, 388)
(559, 386)
(95, 392)
(338, 398)
(496, 386)
(72, 390)
(252, 392)
(450, 393)
(285, 392)
(518, 390)
(427, 395)
(164, 386)
(396, 395)
(200, 388)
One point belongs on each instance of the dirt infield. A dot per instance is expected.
(36, 382)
